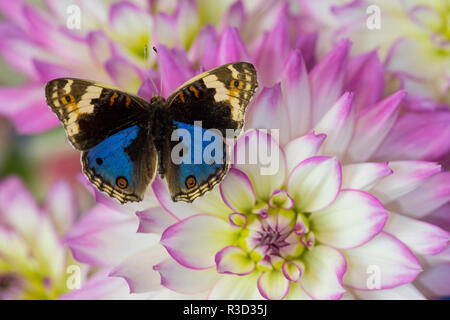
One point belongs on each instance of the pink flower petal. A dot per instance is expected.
(194, 241)
(154, 220)
(297, 94)
(372, 126)
(270, 59)
(338, 125)
(407, 176)
(419, 236)
(427, 197)
(127, 18)
(324, 269)
(175, 69)
(231, 47)
(183, 280)
(364, 175)
(100, 46)
(365, 78)
(383, 263)
(302, 148)
(273, 285)
(107, 237)
(417, 135)
(124, 74)
(260, 157)
(353, 219)
(315, 183)
(268, 111)
(205, 47)
(403, 292)
(237, 191)
(327, 79)
(435, 282)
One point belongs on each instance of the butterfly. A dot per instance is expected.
(125, 139)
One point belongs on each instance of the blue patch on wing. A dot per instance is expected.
(205, 153)
(109, 160)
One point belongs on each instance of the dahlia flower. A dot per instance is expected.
(334, 220)
(34, 264)
(413, 38)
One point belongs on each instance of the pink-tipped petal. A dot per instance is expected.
(100, 46)
(273, 285)
(435, 281)
(407, 176)
(417, 135)
(124, 74)
(260, 157)
(138, 272)
(232, 287)
(205, 48)
(107, 237)
(338, 125)
(403, 292)
(315, 183)
(154, 220)
(365, 78)
(302, 148)
(270, 59)
(231, 47)
(292, 271)
(234, 260)
(62, 206)
(421, 237)
(383, 263)
(327, 79)
(127, 18)
(268, 111)
(372, 126)
(324, 269)
(353, 219)
(429, 196)
(296, 292)
(194, 242)
(296, 91)
(183, 280)
(237, 191)
(175, 69)
(364, 175)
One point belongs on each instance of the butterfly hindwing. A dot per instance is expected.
(198, 161)
(90, 112)
(122, 165)
(218, 97)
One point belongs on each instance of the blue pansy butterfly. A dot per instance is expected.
(124, 139)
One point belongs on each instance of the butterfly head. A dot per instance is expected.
(157, 100)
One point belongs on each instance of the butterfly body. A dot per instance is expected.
(125, 140)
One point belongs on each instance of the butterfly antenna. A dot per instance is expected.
(151, 78)
(160, 72)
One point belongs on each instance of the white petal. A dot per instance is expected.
(324, 268)
(302, 148)
(194, 242)
(364, 175)
(337, 124)
(383, 263)
(237, 191)
(404, 292)
(259, 156)
(407, 176)
(421, 237)
(273, 285)
(315, 183)
(232, 287)
(354, 218)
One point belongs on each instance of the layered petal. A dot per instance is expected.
(237, 191)
(302, 148)
(407, 176)
(231, 287)
(315, 183)
(154, 220)
(403, 292)
(194, 241)
(231, 47)
(353, 219)
(260, 157)
(421, 237)
(234, 260)
(324, 268)
(383, 263)
(364, 175)
(273, 285)
(372, 126)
